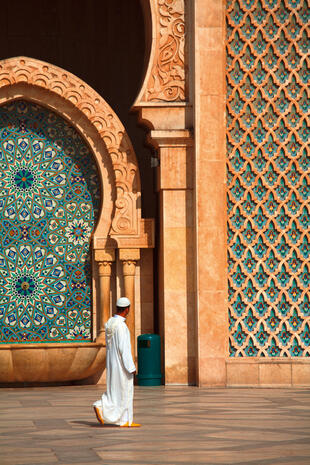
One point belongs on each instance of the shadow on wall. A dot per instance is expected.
(101, 42)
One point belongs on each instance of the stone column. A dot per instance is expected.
(176, 254)
(104, 259)
(129, 257)
(210, 167)
(165, 107)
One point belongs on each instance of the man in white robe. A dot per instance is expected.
(116, 405)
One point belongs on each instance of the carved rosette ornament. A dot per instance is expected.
(57, 81)
(166, 81)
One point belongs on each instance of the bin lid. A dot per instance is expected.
(148, 336)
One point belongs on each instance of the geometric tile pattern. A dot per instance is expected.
(49, 200)
(181, 425)
(268, 177)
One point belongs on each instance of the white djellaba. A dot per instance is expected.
(116, 404)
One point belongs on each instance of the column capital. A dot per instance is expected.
(176, 158)
(129, 267)
(105, 268)
(104, 259)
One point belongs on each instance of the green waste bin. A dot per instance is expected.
(149, 360)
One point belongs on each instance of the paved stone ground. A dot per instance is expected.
(180, 426)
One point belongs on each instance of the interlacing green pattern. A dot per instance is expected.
(49, 200)
(268, 177)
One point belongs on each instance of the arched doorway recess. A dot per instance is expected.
(119, 224)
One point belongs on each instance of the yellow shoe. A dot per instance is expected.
(98, 415)
(134, 425)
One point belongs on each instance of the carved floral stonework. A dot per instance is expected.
(166, 81)
(98, 112)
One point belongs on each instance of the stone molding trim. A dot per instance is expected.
(165, 79)
(267, 372)
(36, 74)
(144, 240)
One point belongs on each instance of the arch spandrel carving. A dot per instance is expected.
(165, 79)
(70, 96)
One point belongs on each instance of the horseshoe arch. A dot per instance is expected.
(119, 223)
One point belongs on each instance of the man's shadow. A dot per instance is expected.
(92, 424)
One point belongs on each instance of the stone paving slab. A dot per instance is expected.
(180, 426)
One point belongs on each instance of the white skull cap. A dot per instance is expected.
(123, 302)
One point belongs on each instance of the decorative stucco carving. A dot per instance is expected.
(165, 80)
(127, 181)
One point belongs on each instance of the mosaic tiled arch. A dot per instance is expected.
(268, 177)
(119, 218)
(59, 90)
(49, 204)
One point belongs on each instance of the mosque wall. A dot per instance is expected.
(253, 305)
(225, 102)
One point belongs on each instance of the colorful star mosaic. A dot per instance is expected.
(268, 177)
(49, 201)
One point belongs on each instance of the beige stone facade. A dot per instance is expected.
(172, 263)
(192, 189)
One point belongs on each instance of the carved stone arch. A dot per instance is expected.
(165, 77)
(87, 111)
(119, 224)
